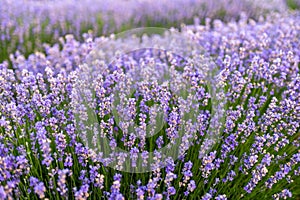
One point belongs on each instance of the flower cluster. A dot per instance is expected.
(26, 25)
(57, 104)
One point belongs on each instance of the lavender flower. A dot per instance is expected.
(47, 124)
(115, 188)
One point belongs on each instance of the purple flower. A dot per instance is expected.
(171, 191)
(159, 141)
(284, 194)
(115, 188)
(134, 156)
(40, 190)
(140, 193)
(68, 161)
(186, 171)
(61, 182)
(207, 196)
(82, 193)
(44, 143)
(38, 187)
(3, 194)
(190, 188)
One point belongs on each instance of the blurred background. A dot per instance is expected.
(25, 25)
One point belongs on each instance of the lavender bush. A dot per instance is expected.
(58, 103)
(26, 24)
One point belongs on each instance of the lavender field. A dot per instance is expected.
(124, 99)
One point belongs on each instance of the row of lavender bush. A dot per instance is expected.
(26, 25)
(257, 156)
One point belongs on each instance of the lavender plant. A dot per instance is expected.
(26, 25)
(44, 121)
